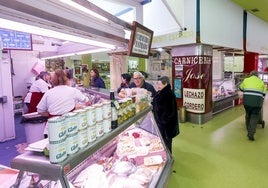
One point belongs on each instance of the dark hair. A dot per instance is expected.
(43, 74)
(96, 72)
(69, 73)
(59, 78)
(254, 72)
(164, 80)
(126, 76)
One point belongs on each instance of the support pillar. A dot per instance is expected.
(192, 80)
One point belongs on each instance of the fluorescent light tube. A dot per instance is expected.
(56, 56)
(77, 53)
(83, 9)
(93, 51)
(7, 24)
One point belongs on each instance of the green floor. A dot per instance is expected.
(218, 154)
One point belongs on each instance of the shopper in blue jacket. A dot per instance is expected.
(95, 79)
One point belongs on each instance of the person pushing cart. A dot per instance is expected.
(254, 91)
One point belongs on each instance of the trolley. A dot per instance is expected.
(261, 121)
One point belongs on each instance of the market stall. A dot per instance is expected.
(145, 156)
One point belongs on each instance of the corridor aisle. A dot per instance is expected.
(218, 153)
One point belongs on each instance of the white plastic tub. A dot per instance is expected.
(34, 125)
(34, 131)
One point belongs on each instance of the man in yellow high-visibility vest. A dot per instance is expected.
(254, 91)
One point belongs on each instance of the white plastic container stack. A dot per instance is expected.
(72, 143)
(107, 125)
(99, 128)
(82, 119)
(57, 139)
(107, 110)
(99, 112)
(91, 133)
(91, 115)
(82, 127)
(71, 122)
(83, 138)
(91, 119)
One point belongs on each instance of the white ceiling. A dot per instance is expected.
(52, 14)
(116, 7)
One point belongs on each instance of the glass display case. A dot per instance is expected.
(224, 93)
(132, 154)
(263, 76)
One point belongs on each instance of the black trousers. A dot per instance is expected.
(168, 143)
(252, 118)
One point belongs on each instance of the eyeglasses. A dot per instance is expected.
(137, 78)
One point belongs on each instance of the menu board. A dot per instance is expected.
(15, 40)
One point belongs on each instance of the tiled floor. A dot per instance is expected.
(8, 149)
(218, 154)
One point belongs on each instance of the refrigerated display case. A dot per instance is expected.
(264, 77)
(134, 148)
(224, 93)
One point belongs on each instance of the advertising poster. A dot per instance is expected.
(194, 100)
(177, 88)
(195, 74)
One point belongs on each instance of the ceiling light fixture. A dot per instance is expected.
(57, 56)
(83, 9)
(92, 51)
(7, 24)
(77, 53)
(160, 49)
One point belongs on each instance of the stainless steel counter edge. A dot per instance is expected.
(103, 93)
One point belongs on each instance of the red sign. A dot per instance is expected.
(195, 73)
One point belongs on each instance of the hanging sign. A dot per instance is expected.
(140, 41)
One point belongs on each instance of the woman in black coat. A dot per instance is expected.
(165, 111)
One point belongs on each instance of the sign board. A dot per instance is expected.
(140, 41)
(193, 82)
(194, 100)
(15, 40)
